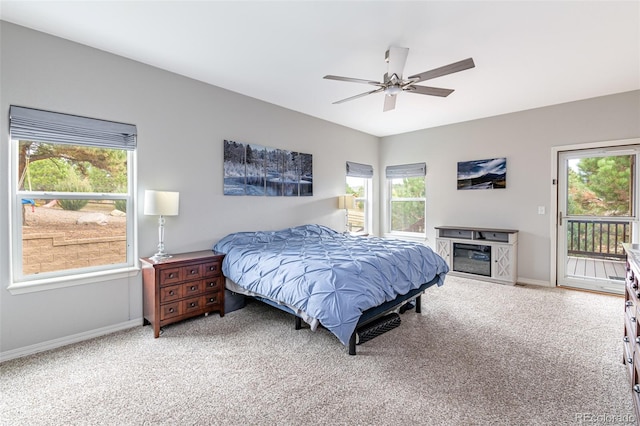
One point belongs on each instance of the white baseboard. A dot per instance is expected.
(67, 340)
(527, 281)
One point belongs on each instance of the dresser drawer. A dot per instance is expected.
(212, 269)
(170, 293)
(214, 284)
(212, 299)
(170, 310)
(193, 304)
(630, 308)
(192, 272)
(192, 288)
(630, 326)
(170, 276)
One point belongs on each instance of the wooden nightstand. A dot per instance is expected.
(183, 286)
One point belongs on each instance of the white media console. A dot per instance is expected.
(481, 253)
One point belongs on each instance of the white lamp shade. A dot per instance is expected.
(161, 203)
(346, 201)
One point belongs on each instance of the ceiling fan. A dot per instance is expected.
(393, 83)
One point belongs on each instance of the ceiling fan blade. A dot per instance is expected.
(433, 91)
(359, 96)
(447, 69)
(389, 103)
(396, 57)
(352, 80)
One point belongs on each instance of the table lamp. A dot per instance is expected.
(161, 204)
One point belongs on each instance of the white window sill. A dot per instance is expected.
(33, 286)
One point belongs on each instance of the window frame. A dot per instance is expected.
(399, 172)
(26, 283)
(368, 192)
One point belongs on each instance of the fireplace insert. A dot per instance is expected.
(472, 258)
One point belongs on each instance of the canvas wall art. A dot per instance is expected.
(483, 174)
(263, 171)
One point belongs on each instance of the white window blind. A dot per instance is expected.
(406, 170)
(52, 127)
(359, 170)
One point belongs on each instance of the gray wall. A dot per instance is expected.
(526, 140)
(181, 124)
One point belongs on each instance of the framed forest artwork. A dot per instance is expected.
(257, 170)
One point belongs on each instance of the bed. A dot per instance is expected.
(328, 278)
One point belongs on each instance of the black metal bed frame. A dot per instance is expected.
(368, 316)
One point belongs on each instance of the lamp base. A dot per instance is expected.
(160, 256)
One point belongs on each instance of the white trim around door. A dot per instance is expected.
(555, 194)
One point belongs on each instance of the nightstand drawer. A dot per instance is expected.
(192, 288)
(212, 299)
(168, 294)
(193, 304)
(169, 311)
(212, 269)
(170, 276)
(192, 272)
(631, 323)
(214, 284)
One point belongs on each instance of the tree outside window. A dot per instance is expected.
(600, 186)
(407, 204)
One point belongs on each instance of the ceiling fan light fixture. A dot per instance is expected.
(393, 90)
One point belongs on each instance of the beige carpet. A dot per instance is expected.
(480, 353)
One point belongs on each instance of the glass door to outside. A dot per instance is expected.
(597, 212)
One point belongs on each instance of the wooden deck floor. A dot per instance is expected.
(599, 268)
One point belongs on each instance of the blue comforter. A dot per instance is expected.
(329, 276)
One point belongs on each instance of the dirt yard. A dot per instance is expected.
(42, 219)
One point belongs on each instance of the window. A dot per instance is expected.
(72, 186)
(407, 199)
(359, 177)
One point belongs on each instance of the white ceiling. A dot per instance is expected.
(528, 54)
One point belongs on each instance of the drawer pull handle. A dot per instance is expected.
(192, 304)
(193, 288)
(193, 271)
(213, 299)
(630, 360)
(171, 293)
(212, 284)
(212, 268)
(625, 339)
(171, 275)
(636, 388)
(629, 303)
(171, 310)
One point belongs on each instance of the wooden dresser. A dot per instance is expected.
(182, 286)
(631, 338)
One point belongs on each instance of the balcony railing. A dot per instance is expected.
(597, 238)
